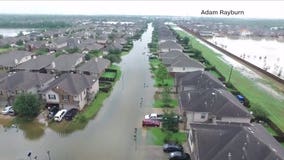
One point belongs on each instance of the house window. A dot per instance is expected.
(203, 115)
(51, 96)
(183, 68)
(65, 97)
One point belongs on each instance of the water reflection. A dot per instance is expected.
(31, 129)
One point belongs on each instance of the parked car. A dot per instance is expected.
(154, 116)
(172, 148)
(52, 111)
(179, 156)
(70, 114)
(60, 114)
(150, 123)
(7, 110)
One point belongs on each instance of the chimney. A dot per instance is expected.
(96, 59)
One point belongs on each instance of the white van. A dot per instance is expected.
(59, 115)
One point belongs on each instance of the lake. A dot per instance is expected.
(266, 54)
(12, 32)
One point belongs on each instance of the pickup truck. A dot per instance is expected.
(154, 116)
(160, 117)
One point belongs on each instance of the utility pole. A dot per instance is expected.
(230, 73)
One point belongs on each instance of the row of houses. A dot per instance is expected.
(219, 126)
(27, 61)
(67, 80)
(85, 38)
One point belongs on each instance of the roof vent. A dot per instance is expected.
(229, 156)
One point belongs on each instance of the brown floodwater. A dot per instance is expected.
(108, 136)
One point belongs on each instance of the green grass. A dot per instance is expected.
(270, 130)
(156, 136)
(4, 50)
(215, 74)
(90, 111)
(109, 74)
(257, 96)
(123, 53)
(166, 82)
(282, 144)
(159, 104)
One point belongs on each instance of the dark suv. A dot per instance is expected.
(172, 148)
(70, 114)
(52, 111)
(179, 156)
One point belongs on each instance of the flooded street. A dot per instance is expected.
(110, 135)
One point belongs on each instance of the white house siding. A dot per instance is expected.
(48, 100)
(235, 119)
(94, 88)
(184, 69)
(81, 99)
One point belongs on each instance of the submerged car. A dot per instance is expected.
(179, 156)
(150, 123)
(70, 114)
(8, 110)
(172, 148)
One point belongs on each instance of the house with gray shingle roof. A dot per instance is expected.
(65, 63)
(95, 66)
(37, 63)
(71, 91)
(19, 82)
(177, 62)
(14, 58)
(213, 105)
(168, 46)
(197, 80)
(233, 142)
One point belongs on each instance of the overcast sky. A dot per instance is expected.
(252, 9)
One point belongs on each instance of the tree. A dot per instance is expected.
(27, 105)
(161, 73)
(166, 96)
(20, 42)
(259, 113)
(20, 33)
(114, 58)
(87, 57)
(170, 121)
(185, 40)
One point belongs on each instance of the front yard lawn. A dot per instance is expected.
(159, 103)
(156, 136)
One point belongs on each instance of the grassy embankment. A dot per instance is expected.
(256, 95)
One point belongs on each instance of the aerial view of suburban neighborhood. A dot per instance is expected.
(141, 80)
